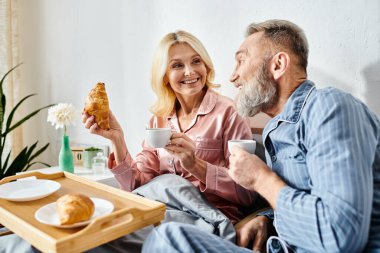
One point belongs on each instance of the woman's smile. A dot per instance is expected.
(186, 71)
(191, 81)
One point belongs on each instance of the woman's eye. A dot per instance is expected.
(177, 65)
(197, 61)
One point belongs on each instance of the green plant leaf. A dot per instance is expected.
(38, 152)
(3, 99)
(18, 163)
(2, 80)
(92, 149)
(6, 160)
(2, 111)
(25, 158)
(8, 130)
(10, 117)
(30, 150)
(33, 163)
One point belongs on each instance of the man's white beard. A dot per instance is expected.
(258, 94)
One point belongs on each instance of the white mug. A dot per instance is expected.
(247, 145)
(158, 137)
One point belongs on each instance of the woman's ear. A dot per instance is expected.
(279, 64)
(165, 80)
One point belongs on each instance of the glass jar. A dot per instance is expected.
(99, 163)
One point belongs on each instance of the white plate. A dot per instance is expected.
(48, 214)
(26, 190)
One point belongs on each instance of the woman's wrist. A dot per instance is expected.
(200, 169)
(116, 136)
(120, 150)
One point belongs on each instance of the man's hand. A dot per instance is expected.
(253, 174)
(245, 168)
(255, 231)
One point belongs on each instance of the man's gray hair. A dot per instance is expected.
(283, 34)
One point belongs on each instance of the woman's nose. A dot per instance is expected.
(188, 71)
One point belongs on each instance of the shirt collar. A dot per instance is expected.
(296, 102)
(208, 103)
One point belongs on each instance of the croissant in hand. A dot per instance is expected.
(73, 208)
(97, 105)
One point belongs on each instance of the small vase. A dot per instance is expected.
(66, 159)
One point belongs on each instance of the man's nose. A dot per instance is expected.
(234, 76)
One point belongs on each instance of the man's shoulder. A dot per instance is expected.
(331, 97)
(332, 101)
(328, 93)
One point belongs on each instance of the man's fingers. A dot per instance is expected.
(236, 150)
(242, 238)
(259, 241)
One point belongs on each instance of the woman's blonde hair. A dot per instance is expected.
(165, 95)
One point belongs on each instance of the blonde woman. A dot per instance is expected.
(202, 121)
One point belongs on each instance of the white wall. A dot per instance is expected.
(70, 45)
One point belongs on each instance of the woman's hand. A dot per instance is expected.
(183, 148)
(114, 133)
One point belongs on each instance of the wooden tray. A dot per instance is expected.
(131, 213)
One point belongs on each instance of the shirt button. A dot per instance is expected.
(274, 158)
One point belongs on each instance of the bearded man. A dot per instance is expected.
(322, 176)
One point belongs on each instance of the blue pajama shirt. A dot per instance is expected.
(326, 146)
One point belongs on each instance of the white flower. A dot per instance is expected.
(62, 115)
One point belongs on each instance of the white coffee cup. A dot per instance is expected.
(247, 145)
(158, 137)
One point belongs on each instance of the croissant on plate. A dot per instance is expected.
(73, 208)
(97, 105)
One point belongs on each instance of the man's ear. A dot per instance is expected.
(279, 64)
